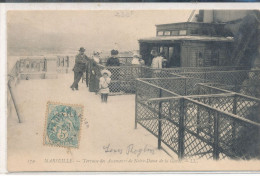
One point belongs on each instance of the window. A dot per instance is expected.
(160, 33)
(205, 32)
(194, 31)
(167, 33)
(183, 32)
(175, 32)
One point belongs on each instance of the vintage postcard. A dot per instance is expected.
(133, 90)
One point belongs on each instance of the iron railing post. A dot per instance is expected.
(181, 130)
(14, 101)
(210, 115)
(216, 137)
(198, 113)
(136, 106)
(198, 120)
(68, 61)
(235, 104)
(234, 123)
(160, 122)
(185, 84)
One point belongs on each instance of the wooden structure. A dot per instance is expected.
(189, 44)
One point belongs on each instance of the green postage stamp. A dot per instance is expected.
(62, 126)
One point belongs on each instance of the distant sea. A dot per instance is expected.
(13, 57)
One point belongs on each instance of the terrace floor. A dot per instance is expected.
(109, 124)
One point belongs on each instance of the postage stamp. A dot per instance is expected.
(62, 126)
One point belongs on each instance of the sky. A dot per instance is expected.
(33, 32)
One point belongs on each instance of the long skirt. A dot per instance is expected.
(93, 83)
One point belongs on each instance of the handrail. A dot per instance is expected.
(13, 98)
(224, 112)
(229, 71)
(239, 94)
(165, 99)
(216, 88)
(158, 87)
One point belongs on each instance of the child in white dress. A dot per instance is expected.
(104, 82)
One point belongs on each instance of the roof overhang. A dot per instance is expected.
(172, 39)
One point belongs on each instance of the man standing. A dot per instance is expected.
(80, 67)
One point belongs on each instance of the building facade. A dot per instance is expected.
(210, 41)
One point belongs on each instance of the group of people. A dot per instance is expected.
(158, 60)
(96, 80)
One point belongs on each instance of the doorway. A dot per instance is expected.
(174, 56)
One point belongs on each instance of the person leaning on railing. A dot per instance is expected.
(113, 62)
(137, 60)
(94, 73)
(80, 67)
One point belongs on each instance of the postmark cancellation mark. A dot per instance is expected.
(62, 125)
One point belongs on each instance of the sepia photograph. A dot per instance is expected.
(133, 90)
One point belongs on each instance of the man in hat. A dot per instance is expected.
(80, 67)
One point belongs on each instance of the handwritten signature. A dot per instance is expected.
(130, 149)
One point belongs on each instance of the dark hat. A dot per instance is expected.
(114, 52)
(82, 49)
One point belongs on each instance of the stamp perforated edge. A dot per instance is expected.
(45, 123)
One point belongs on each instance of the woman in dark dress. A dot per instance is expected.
(94, 74)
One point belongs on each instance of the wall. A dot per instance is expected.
(195, 54)
(229, 15)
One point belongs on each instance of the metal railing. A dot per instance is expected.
(27, 68)
(196, 112)
(123, 77)
(200, 126)
(64, 64)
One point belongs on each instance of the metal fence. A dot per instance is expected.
(123, 77)
(64, 64)
(200, 126)
(197, 112)
(234, 77)
(12, 79)
(30, 68)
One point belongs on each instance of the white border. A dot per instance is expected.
(88, 6)
(3, 95)
(128, 6)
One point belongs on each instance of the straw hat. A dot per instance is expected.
(107, 72)
(96, 52)
(136, 55)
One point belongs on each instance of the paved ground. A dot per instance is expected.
(109, 124)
